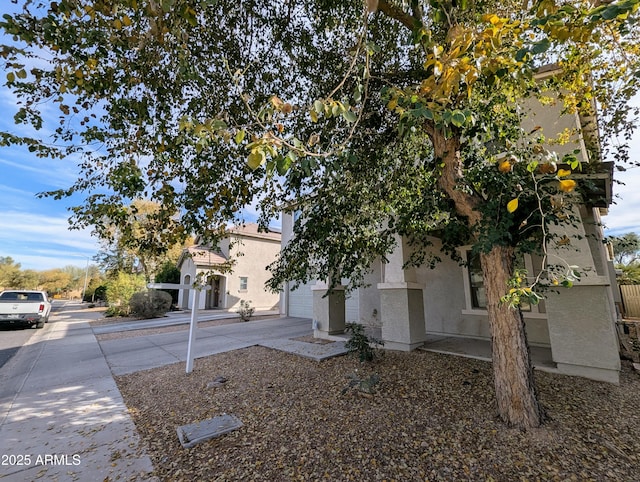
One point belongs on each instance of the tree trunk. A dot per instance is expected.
(512, 371)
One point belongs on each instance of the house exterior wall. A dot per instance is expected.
(369, 298)
(448, 310)
(252, 255)
(582, 319)
(577, 323)
(187, 276)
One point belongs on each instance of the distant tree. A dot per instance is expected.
(630, 275)
(100, 293)
(27, 279)
(626, 248)
(76, 276)
(95, 279)
(56, 281)
(9, 269)
(134, 248)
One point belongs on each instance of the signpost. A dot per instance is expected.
(194, 313)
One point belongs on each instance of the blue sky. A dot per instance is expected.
(35, 232)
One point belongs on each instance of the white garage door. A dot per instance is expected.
(301, 302)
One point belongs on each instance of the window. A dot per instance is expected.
(244, 282)
(476, 296)
(476, 284)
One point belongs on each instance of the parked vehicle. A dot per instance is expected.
(24, 307)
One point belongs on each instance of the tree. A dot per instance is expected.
(135, 248)
(625, 248)
(9, 269)
(427, 94)
(169, 273)
(26, 279)
(56, 281)
(630, 275)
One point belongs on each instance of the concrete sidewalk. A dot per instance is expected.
(62, 417)
(171, 319)
(137, 353)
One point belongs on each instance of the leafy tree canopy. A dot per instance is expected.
(625, 248)
(402, 117)
(135, 246)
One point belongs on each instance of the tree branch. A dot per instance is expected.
(397, 14)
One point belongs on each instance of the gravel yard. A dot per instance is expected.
(430, 417)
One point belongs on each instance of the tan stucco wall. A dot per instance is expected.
(446, 310)
(252, 256)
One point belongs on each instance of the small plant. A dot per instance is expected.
(246, 310)
(362, 385)
(360, 343)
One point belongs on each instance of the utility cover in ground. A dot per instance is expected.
(195, 433)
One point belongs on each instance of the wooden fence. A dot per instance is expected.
(631, 300)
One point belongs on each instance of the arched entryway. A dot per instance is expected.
(185, 293)
(215, 296)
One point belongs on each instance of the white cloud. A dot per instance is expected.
(43, 263)
(58, 174)
(624, 215)
(38, 240)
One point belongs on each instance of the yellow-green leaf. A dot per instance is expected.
(255, 159)
(349, 116)
(240, 136)
(314, 116)
(11, 77)
(512, 205)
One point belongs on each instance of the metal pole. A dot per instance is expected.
(192, 329)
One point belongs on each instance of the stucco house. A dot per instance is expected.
(416, 304)
(251, 252)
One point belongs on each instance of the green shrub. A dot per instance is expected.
(150, 304)
(119, 291)
(360, 343)
(169, 274)
(246, 310)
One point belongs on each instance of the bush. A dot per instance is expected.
(245, 311)
(360, 343)
(120, 290)
(150, 304)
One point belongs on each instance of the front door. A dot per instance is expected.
(215, 293)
